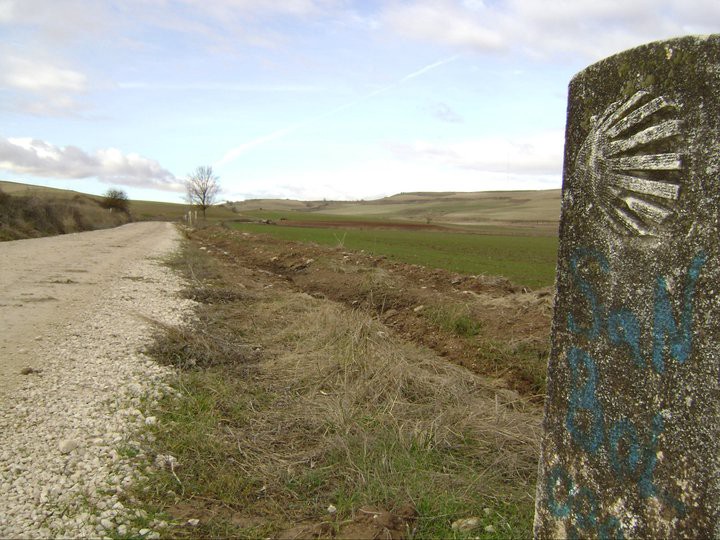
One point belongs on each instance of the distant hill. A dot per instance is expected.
(461, 208)
(480, 210)
(30, 190)
(140, 210)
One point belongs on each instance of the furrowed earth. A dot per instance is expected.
(483, 323)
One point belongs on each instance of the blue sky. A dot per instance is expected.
(305, 99)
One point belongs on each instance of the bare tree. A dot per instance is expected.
(202, 188)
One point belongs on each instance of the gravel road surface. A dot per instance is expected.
(72, 376)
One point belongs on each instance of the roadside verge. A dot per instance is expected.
(297, 416)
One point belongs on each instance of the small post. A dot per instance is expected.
(631, 444)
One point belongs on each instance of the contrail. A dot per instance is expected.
(427, 68)
(234, 153)
(374, 93)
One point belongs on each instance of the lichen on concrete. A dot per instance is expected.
(632, 440)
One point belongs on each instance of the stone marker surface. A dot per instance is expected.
(631, 444)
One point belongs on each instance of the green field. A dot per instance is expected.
(527, 261)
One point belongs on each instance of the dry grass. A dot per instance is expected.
(35, 216)
(206, 344)
(343, 369)
(333, 411)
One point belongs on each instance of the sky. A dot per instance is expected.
(305, 99)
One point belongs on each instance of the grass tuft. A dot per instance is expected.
(456, 319)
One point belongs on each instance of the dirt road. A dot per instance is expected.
(73, 325)
(47, 282)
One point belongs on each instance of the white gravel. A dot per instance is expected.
(73, 433)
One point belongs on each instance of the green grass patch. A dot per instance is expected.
(527, 261)
(455, 319)
(390, 467)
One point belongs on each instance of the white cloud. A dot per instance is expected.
(39, 158)
(39, 86)
(592, 28)
(41, 77)
(540, 154)
(42, 34)
(7, 8)
(374, 179)
(443, 22)
(224, 8)
(59, 21)
(222, 87)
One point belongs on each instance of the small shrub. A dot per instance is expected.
(116, 200)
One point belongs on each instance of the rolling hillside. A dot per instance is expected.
(536, 210)
(524, 212)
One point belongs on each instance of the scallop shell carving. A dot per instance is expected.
(631, 164)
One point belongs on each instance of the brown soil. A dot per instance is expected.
(513, 321)
(367, 524)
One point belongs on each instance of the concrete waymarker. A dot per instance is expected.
(631, 443)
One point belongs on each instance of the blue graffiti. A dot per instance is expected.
(622, 326)
(584, 399)
(596, 308)
(630, 449)
(647, 483)
(586, 504)
(665, 325)
(624, 430)
(580, 505)
(610, 529)
(559, 478)
(620, 442)
(630, 457)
